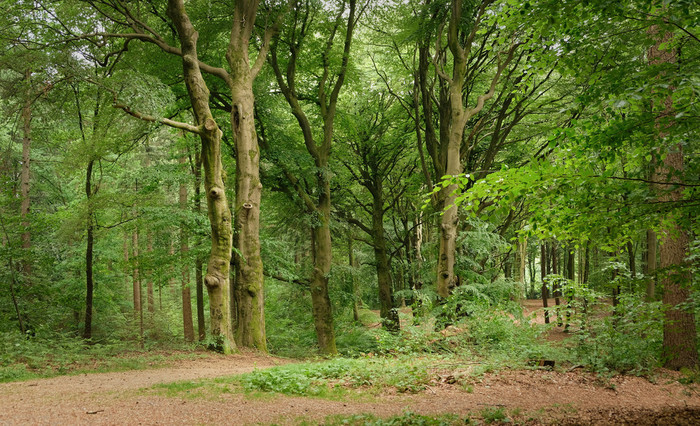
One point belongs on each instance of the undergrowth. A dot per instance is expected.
(47, 354)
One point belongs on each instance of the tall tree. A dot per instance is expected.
(316, 198)
(142, 24)
(379, 162)
(680, 334)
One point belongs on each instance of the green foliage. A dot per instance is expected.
(335, 376)
(627, 340)
(494, 415)
(47, 353)
(288, 320)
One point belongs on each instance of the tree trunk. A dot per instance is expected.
(556, 288)
(321, 253)
(587, 263)
(388, 313)
(87, 332)
(632, 262)
(217, 278)
(25, 178)
(352, 262)
(138, 311)
(650, 265)
(126, 260)
(150, 299)
(187, 325)
(522, 261)
(198, 262)
(454, 125)
(249, 293)
(680, 334)
(545, 291)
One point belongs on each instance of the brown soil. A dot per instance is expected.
(527, 397)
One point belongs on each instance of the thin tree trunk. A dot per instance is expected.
(13, 278)
(587, 264)
(650, 265)
(87, 331)
(136, 280)
(125, 248)
(150, 299)
(571, 275)
(557, 283)
(198, 262)
(352, 262)
(187, 325)
(545, 291)
(25, 182)
(522, 264)
(632, 262)
(388, 313)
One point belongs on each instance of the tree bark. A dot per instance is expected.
(249, 291)
(556, 288)
(322, 259)
(248, 261)
(459, 115)
(680, 334)
(217, 277)
(150, 299)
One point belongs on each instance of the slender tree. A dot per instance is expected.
(316, 201)
(187, 324)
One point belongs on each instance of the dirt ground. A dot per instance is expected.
(526, 397)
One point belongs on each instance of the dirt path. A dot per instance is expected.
(532, 397)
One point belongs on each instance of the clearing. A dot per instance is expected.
(536, 396)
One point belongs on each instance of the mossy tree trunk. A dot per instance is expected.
(317, 201)
(459, 44)
(217, 278)
(248, 292)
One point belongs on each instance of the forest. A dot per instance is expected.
(379, 187)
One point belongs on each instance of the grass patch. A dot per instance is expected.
(403, 375)
(406, 419)
(198, 389)
(494, 415)
(339, 378)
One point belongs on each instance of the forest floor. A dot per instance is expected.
(537, 396)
